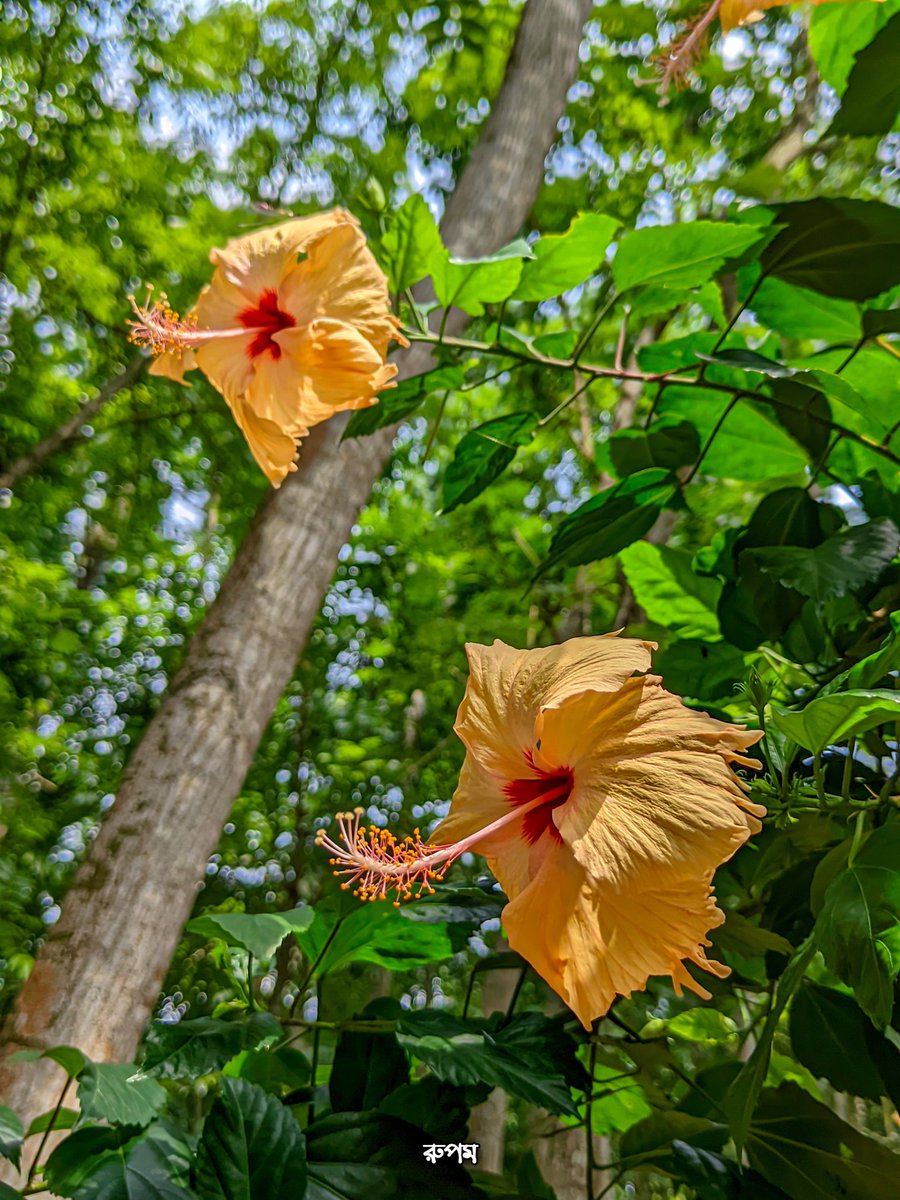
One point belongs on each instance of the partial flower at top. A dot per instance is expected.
(602, 804)
(293, 328)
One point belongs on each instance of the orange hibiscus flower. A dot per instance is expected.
(293, 328)
(602, 804)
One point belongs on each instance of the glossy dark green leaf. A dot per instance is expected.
(260, 934)
(838, 565)
(251, 1148)
(832, 1036)
(377, 1157)
(680, 256)
(701, 669)
(109, 1164)
(562, 261)
(119, 1093)
(667, 443)
(612, 520)
(803, 1148)
(657, 1132)
(69, 1058)
(858, 928)
(8, 1193)
(837, 35)
(483, 454)
(844, 248)
(520, 1058)
(456, 905)
(367, 1067)
(878, 321)
(202, 1045)
(670, 592)
(870, 105)
(396, 404)
(411, 247)
(12, 1134)
(439, 1109)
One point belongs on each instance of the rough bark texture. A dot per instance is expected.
(99, 974)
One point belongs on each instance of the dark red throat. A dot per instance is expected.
(266, 318)
(555, 787)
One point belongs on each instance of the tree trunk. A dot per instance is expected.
(99, 973)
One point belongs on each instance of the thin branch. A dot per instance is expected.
(69, 431)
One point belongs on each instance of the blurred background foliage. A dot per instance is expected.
(135, 136)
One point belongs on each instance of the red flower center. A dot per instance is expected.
(554, 786)
(267, 318)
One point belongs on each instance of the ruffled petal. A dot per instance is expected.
(219, 303)
(341, 280)
(654, 797)
(174, 364)
(259, 261)
(335, 368)
(593, 942)
(273, 449)
(507, 689)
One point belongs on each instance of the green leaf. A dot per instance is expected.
(437, 1108)
(743, 1093)
(680, 256)
(375, 933)
(12, 1134)
(562, 261)
(701, 669)
(483, 454)
(412, 246)
(808, 1152)
(8, 1193)
(656, 1133)
(251, 1148)
(669, 591)
(278, 1071)
(112, 1164)
(367, 1067)
(618, 1103)
(611, 520)
(667, 443)
(71, 1060)
(858, 928)
(704, 1026)
(879, 321)
(259, 934)
(365, 1154)
(469, 284)
(838, 33)
(798, 312)
(62, 1118)
(845, 248)
(750, 443)
(828, 720)
(200, 1046)
(871, 102)
(519, 1057)
(841, 564)
(869, 671)
(832, 1036)
(119, 1093)
(396, 404)
(740, 936)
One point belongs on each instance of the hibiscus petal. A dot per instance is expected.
(508, 688)
(259, 261)
(174, 364)
(273, 449)
(341, 280)
(654, 798)
(335, 369)
(593, 942)
(227, 364)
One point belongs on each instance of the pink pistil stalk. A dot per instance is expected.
(377, 863)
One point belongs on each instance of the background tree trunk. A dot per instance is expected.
(98, 976)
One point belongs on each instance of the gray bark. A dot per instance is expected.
(98, 976)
